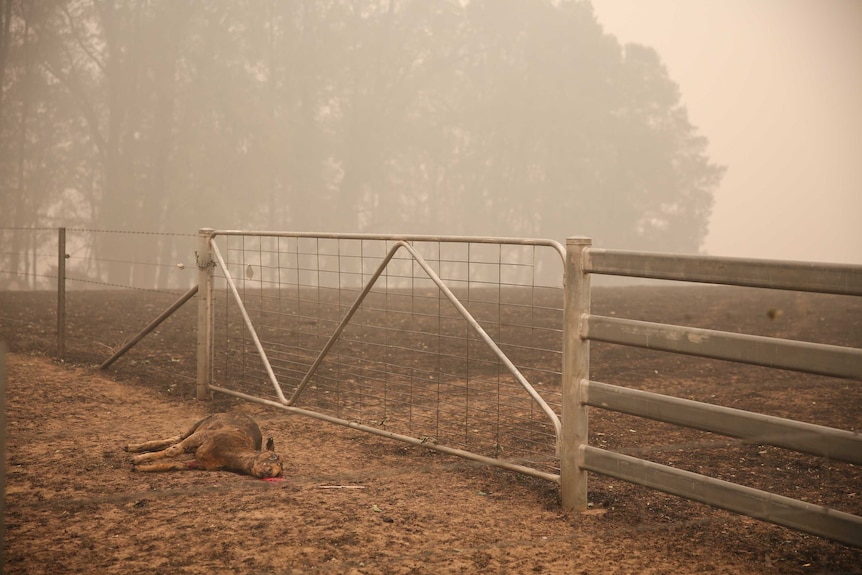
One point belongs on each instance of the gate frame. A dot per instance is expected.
(208, 257)
(577, 457)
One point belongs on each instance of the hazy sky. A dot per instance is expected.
(776, 87)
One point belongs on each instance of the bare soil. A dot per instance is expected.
(356, 503)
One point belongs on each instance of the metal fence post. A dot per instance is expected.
(61, 293)
(205, 314)
(576, 369)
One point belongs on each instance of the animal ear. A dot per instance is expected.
(270, 444)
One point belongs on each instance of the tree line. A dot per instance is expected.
(487, 117)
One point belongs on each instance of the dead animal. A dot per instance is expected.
(224, 441)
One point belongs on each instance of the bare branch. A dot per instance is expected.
(80, 41)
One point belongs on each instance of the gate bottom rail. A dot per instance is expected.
(508, 465)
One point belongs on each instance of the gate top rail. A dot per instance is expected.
(842, 279)
(560, 249)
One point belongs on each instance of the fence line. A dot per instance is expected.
(578, 457)
(308, 281)
(56, 275)
(36, 258)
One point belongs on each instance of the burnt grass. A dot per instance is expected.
(684, 536)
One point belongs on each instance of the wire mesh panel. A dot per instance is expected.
(369, 330)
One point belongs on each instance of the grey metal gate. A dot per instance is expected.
(434, 341)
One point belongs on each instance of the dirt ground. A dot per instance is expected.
(356, 503)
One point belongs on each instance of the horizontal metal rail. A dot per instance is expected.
(844, 279)
(557, 246)
(583, 260)
(396, 436)
(819, 440)
(807, 517)
(821, 359)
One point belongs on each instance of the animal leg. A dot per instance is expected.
(148, 457)
(188, 445)
(160, 444)
(156, 445)
(166, 466)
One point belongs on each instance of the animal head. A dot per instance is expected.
(267, 463)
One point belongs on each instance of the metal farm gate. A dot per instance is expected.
(480, 347)
(435, 341)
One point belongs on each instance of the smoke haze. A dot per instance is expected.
(614, 120)
(776, 86)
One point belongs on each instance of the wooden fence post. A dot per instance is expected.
(576, 369)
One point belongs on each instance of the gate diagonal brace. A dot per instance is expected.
(398, 245)
(516, 373)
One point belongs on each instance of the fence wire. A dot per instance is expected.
(115, 281)
(408, 361)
